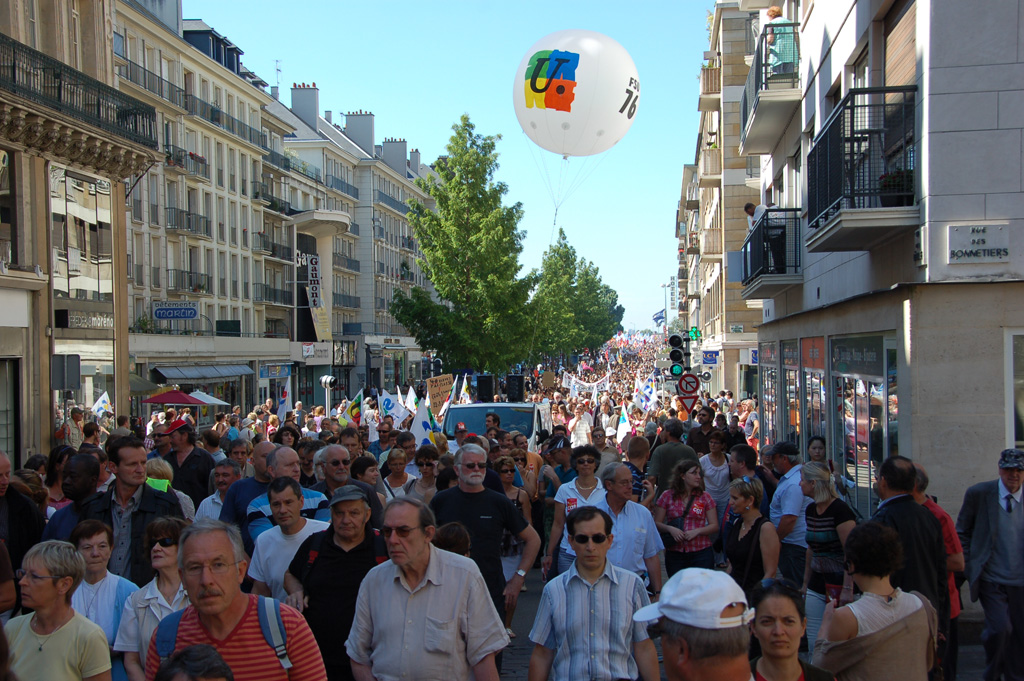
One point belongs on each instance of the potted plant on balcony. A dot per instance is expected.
(896, 188)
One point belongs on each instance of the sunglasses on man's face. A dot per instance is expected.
(584, 538)
(519, 459)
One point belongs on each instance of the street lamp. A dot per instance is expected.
(664, 288)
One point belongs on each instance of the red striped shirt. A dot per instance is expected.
(245, 649)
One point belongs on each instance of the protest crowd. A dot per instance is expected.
(360, 543)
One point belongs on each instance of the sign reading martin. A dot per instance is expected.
(175, 309)
(971, 244)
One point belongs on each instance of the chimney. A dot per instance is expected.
(359, 129)
(327, 117)
(306, 103)
(414, 161)
(395, 155)
(275, 91)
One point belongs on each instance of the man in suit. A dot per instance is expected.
(991, 529)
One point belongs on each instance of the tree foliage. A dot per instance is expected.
(471, 246)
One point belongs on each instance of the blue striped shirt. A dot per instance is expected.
(590, 626)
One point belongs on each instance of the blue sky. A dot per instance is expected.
(418, 66)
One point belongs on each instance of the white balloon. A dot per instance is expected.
(576, 93)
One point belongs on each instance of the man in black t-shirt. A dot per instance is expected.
(324, 576)
(486, 514)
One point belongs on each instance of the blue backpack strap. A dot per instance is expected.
(167, 634)
(273, 628)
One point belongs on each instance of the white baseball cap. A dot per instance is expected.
(697, 597)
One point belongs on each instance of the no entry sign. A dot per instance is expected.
(688, 384)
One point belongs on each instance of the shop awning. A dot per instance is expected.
(140, 386)
(200, 372)
(209, 399)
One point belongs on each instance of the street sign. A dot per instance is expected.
(688, 384)
(709, 357)
(175, 309)
(688, 402)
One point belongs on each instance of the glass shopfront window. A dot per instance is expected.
(81, 237)
(815, 387)
(97, 364)
(8, 247)
(789, 417)
(768, 363)
(1016, 395)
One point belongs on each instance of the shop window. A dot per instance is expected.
(768, 359)
(1017, 394)
(9, 417)
(8, 246)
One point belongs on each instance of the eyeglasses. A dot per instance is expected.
(519, 459)
(584, 538)
(507, 471)
(165, 542)
(156, 435)
(339, 462)
(217, 567)
(586, 461)
(473, 466)
(21, 574)
(426, 464)
(402, 532)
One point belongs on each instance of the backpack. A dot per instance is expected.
(269, 611)
(380, 549)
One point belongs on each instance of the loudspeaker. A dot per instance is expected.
(514, 388)
(485, 388)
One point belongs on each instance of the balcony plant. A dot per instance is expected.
(896, 188)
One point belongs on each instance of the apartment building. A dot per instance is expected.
(889, 258)
(710, 221)
(67, 140)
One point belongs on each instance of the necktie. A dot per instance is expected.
(1009, 503)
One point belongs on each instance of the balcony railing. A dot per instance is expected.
(140, 271)
(392, 203)
(281, 251)
(407, 242)
(773, 245)
(185, 281)
(33, 75)
(181, 220)
(354, 228)
(405, 275)
(346, 263)
(264, 293)
(710, 162)
(753, 26)
(381, 304)
(261, 242)
(212, 114)
(710, 87)
(864, 156)
(345, 300)
(189, 161)
(278, 160)
(342, 186)
(152, 82)
(303, 168)
(154, 277)
(776, 66)
(275, 203)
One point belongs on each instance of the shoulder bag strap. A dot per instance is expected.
(273, 629)
(755, 543)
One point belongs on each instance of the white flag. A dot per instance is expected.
(421, 425)
(391, 406)
(102, 405)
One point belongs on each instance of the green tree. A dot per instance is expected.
(471, 246)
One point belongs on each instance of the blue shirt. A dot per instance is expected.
(61, 523)
(314, 507)
(233, 433)
(590, 626)
(789, 500)
(635, 536)
(564, 476)
(236, 506)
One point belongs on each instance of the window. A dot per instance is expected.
(1016, 390)
(75, 30)
(8, 232)
(31, 27)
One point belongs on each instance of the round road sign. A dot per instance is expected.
(688, 384)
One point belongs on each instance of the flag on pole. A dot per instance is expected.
(448, 402)
(392, 406)
(465, 397)
(421, 425)
(659, 317)
(354, 411)
(282, 403)
(623, 428)
(411, 401)
(102, 405)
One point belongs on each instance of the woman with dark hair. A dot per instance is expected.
(886, 631)
(37, 463)
(53, 479)
(150, 604)
(778, 624)
(453, 537)
(425, 486)
(752, 547)
(447, 478)
(195, 663)
(687, 513)
(583, 490)
(287, 435)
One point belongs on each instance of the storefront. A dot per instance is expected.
(312, 361)
(768, 363)
(789, 395)
(275, 383)
(814, 389)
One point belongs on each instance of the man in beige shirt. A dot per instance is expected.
(426, 613)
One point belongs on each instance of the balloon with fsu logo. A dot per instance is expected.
(576, 93)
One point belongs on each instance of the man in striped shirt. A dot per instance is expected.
(213, 565)
(584, 627)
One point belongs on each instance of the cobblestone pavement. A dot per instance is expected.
(516, 658)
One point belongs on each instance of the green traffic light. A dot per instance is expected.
(676, 370)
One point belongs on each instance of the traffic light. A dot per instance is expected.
(679, 355)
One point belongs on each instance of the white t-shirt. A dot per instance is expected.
(96, 602)
(274, 552)
(571, 498)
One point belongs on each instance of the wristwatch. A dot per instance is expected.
(521, 572)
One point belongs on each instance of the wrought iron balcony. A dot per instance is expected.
(354, 228)
(280, 251)
(186, 161)
(51, 83)
(261, 242)
(264, 293)
(381, 304)
(140, 271)
(185, 281)
(303, 168)
(345, 263)
(771, 253)
(407, 242)
(772, 90)
(152, 83)
(864, 156)
(274, 203)
(278, 160)
(342, 186)
(180, 220)
(392, 203)
(212, 114)
(154, 277)
(345, 300)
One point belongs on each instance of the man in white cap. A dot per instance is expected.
(703, 617)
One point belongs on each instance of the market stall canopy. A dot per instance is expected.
(140, 386)
(208, 399)
(173, 397)
(203, 372)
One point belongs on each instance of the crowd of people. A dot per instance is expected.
(309, 548)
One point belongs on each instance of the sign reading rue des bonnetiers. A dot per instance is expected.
(971, 244)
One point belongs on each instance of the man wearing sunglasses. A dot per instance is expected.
(337, 461)
(584, 627)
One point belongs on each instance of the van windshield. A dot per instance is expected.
(473, 415)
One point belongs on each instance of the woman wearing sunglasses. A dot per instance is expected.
(150, 604)
(688, 515)
(778, 624)
(511, 545)
(583, 490)
(424, 487)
